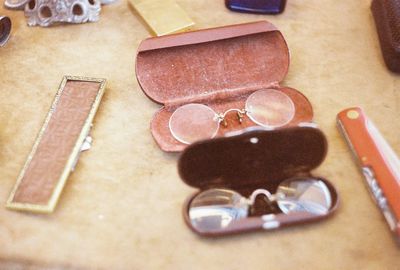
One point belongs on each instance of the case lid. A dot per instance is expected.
(253, 159)
(212, 63)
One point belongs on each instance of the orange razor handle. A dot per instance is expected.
(378, 162)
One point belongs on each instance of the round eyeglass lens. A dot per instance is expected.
(312, 196)
(193, 122)
(270, 108)
(215, 209)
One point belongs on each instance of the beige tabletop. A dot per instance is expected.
(121, 208)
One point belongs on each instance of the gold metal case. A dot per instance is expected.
(56, 150)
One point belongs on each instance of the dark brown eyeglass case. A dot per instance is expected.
(387, 19)
(253, 160)
(218, 67)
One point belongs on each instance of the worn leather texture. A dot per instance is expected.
(387, 18)
(208, 67)
(122, 206)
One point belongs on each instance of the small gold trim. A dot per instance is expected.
(49, 207)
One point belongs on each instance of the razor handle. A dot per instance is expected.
(377, 161)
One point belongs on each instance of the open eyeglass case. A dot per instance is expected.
(259, 159)
(219, 67)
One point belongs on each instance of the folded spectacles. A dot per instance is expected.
(214, 210)
(268, 108)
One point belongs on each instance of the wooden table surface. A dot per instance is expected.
(121, 208)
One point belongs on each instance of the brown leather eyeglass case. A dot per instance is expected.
(253, 160)
(387, 19)
(218, 67)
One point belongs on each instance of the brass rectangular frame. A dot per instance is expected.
(69, 166)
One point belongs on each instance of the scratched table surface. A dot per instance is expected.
(121, 208)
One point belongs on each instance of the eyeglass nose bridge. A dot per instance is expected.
(240, 114)
(269, 197)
